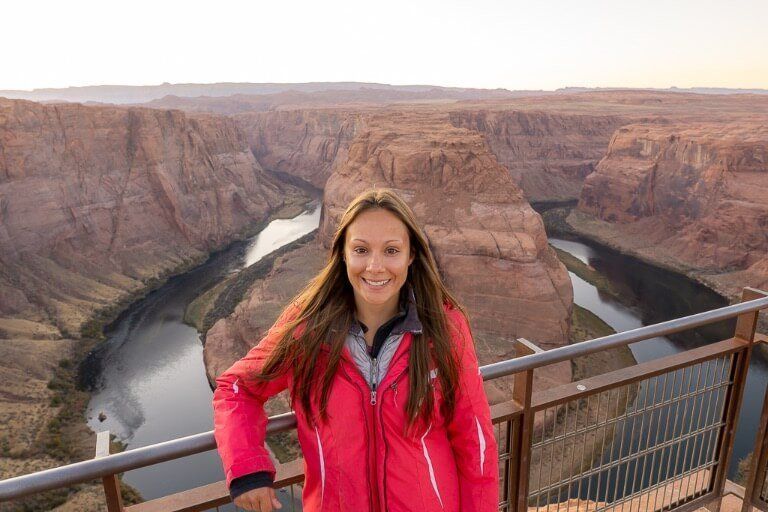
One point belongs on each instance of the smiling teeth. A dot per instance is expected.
(376, 283)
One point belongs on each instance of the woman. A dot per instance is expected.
(384, 381)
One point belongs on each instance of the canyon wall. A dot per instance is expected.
(689, 196)
(302, 143)
(96, 202)
(548, 154)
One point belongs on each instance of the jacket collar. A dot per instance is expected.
(407, 319)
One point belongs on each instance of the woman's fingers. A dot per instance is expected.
(273, 498)
(258, 500)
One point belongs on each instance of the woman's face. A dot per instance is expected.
(377, 253)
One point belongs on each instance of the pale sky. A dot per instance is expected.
(482, 43)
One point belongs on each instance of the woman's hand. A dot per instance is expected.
(262, 499)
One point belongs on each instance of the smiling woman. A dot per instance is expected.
(380, 362)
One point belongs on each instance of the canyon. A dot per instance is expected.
(98, 204)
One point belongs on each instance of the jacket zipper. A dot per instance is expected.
(367, 435)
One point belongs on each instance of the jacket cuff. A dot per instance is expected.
(245, 483)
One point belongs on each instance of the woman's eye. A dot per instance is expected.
(392, 250)
(359, 250)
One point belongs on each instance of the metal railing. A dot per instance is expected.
(654, 436)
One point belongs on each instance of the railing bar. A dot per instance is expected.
(680, 454)
(688, 421)
(663, 436)
(691, 443)
(669, 471)
(623, 438)
(614, 435)
(574, 448)
(569, 411)
(552, 454)
(714, 405)
(563, 457)
(656, 406)
(583, 451)
(647, 386)
(583, 348)
(671, 467)
(712, 436)
(541, 456)
(699, 443)
(600, 454)
(624, 426)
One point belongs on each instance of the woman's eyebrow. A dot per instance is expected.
(398, 240)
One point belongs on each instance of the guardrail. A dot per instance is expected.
(654, 436)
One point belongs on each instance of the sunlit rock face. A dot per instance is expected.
(97, 201)
(302, 143)
(548, 154)
(692, 196)
(490, 245)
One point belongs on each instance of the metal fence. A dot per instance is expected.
(653, 436)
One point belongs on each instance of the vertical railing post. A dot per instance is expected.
(745, 330)
(111, 483)
(757, 466)
(521, 393)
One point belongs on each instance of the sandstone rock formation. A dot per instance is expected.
(95, 202)
(489, 243)
(690, 196)
(549, 154)
(302, 143)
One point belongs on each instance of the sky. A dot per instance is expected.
(538, 44)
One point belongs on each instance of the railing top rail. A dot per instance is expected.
(161, 452)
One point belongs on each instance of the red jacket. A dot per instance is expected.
(359, 459)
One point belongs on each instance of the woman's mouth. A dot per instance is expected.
(376, 284)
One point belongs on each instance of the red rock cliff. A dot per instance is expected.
(303, 143)
(692, 196)
(96, 201)
(489, 243)
(549, 154)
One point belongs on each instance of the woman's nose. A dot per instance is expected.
(374, 263)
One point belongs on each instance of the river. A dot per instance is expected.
(148, 377)
(653, 295)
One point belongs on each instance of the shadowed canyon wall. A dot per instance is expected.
(548, 154)
(690, 196)
(303, 143)
(95, 202)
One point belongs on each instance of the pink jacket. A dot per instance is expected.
(359, 460)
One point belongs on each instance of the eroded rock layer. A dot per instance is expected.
(690, 196)
(95, 202)
(302, 143)
(548, 154)
(489, 244)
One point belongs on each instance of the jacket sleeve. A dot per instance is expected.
(470, 431)
(239, 420)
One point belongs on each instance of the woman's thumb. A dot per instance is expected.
(275, 502)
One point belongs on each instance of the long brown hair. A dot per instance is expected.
(323, 312)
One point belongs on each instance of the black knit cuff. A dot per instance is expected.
(245, 483)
